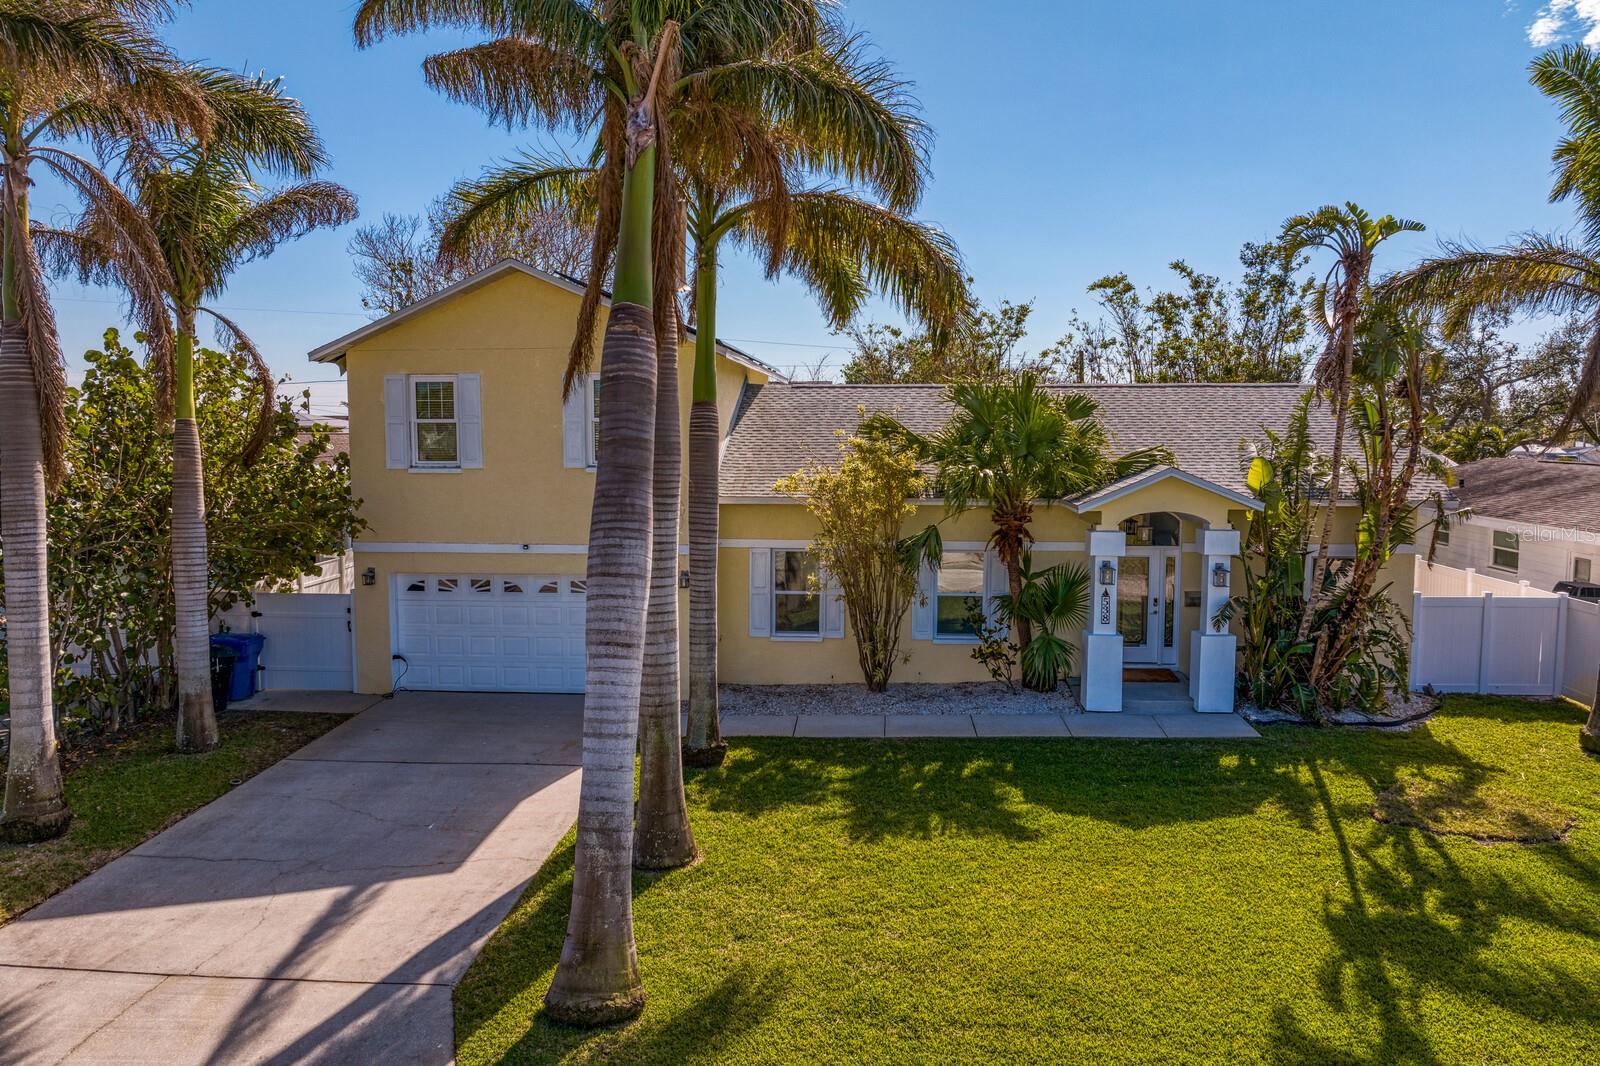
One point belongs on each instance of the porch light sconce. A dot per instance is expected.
(683, 579)
(369, 576)
(1219, 576)
(1108, 573)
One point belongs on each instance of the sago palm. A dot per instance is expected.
(71, 69)
(1537, 274)
(1011, 446)
(209, 217)
(1351, 235)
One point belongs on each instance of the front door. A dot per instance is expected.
(1146, 609)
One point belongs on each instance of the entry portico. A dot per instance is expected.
(1144, 531)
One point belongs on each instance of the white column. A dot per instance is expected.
(1213, 651)
(1102, 644)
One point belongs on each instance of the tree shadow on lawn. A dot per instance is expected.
(1414, 921)
(510, 977)
(999, 788)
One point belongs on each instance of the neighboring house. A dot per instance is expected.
(477, 482)
(1526, 520)
(1580, 452)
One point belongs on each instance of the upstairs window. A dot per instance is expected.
(1507, 552)
(434, 427)
(796, 595)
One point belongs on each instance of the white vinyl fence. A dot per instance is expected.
(1476, 634)
(309, 642)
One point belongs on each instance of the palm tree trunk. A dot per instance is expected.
(197, 720)
(1341, 400)
(597, 980)
(704, 746)
(35, 805)
(1589, 735)
(662, 839)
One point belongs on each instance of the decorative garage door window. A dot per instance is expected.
(488, 633)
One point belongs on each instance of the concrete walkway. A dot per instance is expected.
(1187, 726)
(321, 912)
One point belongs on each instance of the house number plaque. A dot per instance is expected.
(1105, 607)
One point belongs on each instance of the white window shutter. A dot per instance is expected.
(996, 582)
(469, 421)
(832, 606)
(575, 425)
(923, 607)
(761, 592)
(396, 422)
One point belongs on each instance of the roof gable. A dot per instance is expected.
(335, 350)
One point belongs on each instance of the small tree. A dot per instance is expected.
(1054, 601)
(860, 507)
(267, 523)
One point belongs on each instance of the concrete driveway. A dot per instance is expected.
(320, 912)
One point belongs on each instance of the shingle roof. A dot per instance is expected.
(789, 426)
(1564, 495)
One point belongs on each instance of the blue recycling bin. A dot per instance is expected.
(247, 646)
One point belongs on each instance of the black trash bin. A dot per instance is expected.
(222, 660)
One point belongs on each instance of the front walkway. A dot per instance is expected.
(320, 912)
(1131, 725)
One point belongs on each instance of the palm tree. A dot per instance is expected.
(1538, 273)
(71, 69)
(1352, 235)
(610, 65)
(209, 217)
(1011, 445)
(743, 65)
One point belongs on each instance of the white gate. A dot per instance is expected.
(309, 642)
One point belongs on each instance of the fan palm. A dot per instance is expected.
(1011, 445)
(72, 69)
(1352, 236)
(1538, 273)
(209, 217)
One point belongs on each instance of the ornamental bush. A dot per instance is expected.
(111, 594)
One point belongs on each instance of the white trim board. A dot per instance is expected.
(428, 547)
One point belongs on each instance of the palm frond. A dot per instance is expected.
(500, 198)
(915, 265)
(281, 216)
(1538, 274)
(258, 125)
(515, 80)
(232, 337)
(568, 25)
(1570, 76)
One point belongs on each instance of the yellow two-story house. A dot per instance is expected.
(476, 481)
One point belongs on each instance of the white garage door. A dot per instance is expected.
(466, 632)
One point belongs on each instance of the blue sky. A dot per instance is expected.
(1075, 138)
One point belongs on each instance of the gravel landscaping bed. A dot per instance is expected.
(1404, 711)
(985, 697)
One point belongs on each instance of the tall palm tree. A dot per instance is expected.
(1009, 446)
(209, 217)
(71, 69)
(1538, 273)
(610, 66)
(741, 63)
(1352, 236)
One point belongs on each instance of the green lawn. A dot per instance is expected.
(1123, 901)
(126, 792)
